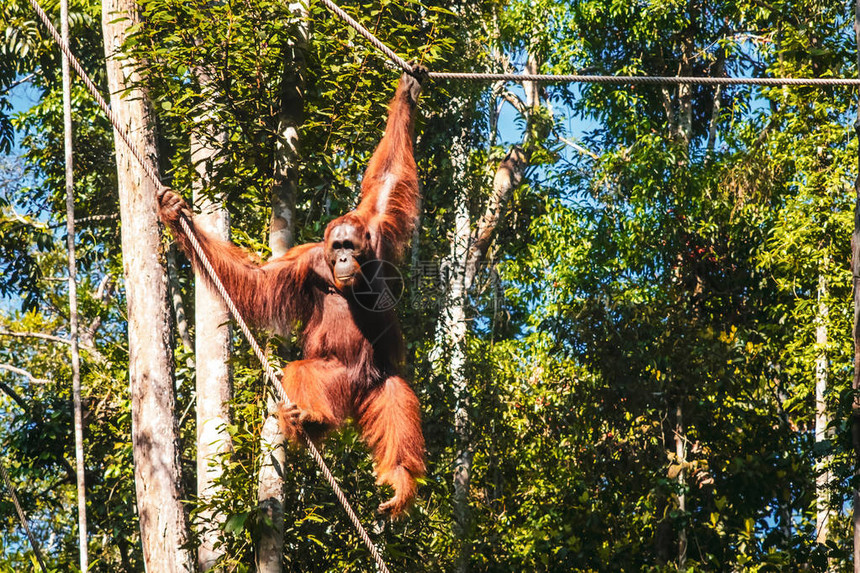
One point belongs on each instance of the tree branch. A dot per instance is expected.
(508, 177)
(15, 396)
(578, 147)
(515, 101)
(17, 83)
(103, 293)
(70, 471)
(24, 373)
(40, 335)
(51, 338)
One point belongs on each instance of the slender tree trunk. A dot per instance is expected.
(290, 117)
(451, 336)
(468, 249)
(155, 438)
(212, 343)
(270, 485)
(175, 294)
(73, 296)
(713, 122)
(716, 106)
(270, 493)
(681, 458)
(685, 110)
(822, 416)
(855, 384)
(685, 137)
(855, 268)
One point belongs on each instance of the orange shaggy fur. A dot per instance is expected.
(352, 355)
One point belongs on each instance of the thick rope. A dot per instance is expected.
(368, 35)
(282, 394)
(207, 265)
(647, 80)
(549, 78)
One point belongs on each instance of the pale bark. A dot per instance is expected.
(855, 383)
(468, 249)
(855, 270)
(685, 91)
(508, 177)
(716, 106)
(73, 297)
(175, 294)
(290, 116)
(822, 415)
(669, 110)
(681, 458)
(684, 135)
(88, 333)
(685, 114)
(212, 343)
(155, 443)
(714, 121)
(449, 352)
(52, 338)
(270, 484)
(20, 371)
(270, 493)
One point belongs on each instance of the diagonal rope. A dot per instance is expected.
(368, 35)
(614, 80)
(282, 394)
(23, 518)
(207, 265)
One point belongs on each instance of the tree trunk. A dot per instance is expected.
(290, 116)
(716, 106)
(212, 343)
(270, 485)
(451, 336)
(155, 443)
(855, 383)
(73, 297)
(175, 294)
(270, 493)
(822, 417)
(855, 271)
(468, 250)
(681, 458)
(685, 138)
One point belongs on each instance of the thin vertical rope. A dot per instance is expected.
(186, 227)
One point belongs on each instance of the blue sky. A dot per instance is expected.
(22, 97)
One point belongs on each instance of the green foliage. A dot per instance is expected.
(671, 262)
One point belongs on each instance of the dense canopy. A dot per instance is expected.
(632, 345)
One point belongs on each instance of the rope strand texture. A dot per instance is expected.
(22, 517)
(207, 265)
(647, 80)
(615, 80)
(282, 394)
(368, 35)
